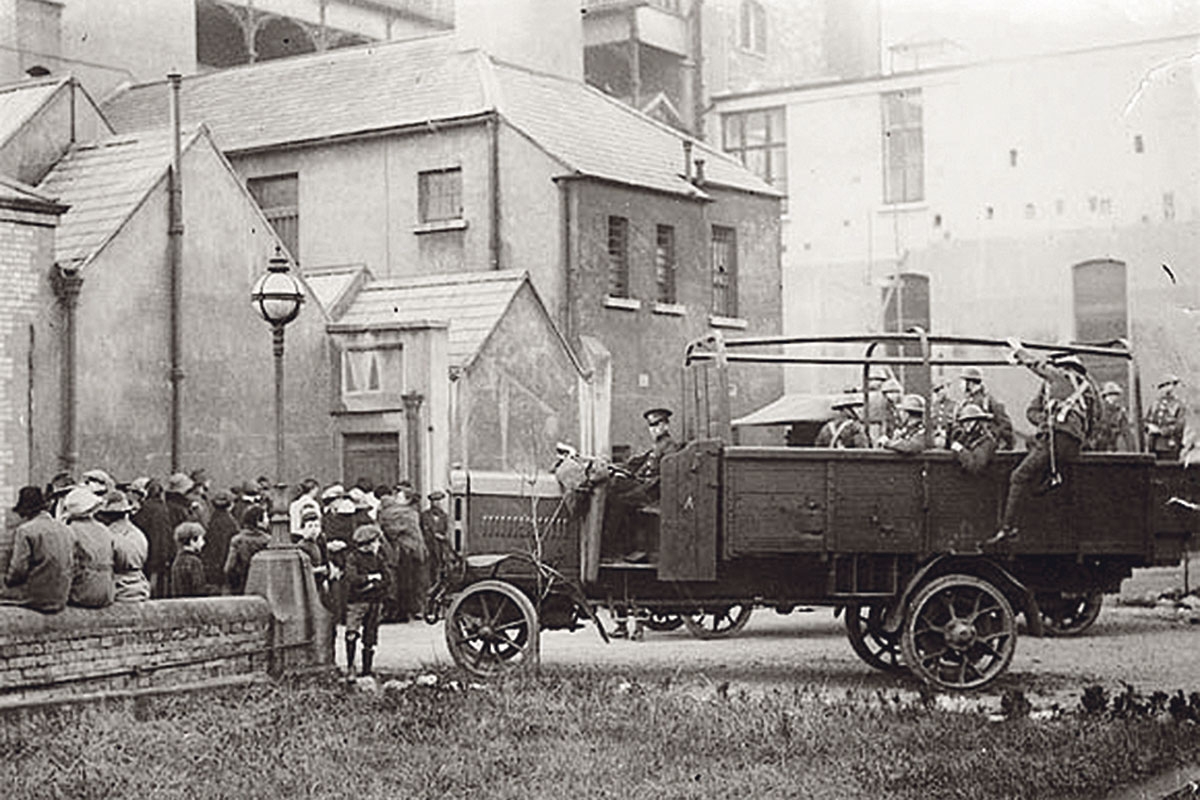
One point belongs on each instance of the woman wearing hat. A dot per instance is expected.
(130, 549)
(40, 569)
(92, 575)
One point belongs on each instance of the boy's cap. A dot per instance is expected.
(437, 495)
(365, 534)
(309, 515)
(179, 483)
(222, 500)
(343, 505)
(333, 492)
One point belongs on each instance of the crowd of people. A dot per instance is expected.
(94, 542)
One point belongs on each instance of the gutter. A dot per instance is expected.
(495, 242)
(423, 126)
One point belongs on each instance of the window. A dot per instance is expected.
(361, 371)
(724, 271)
(618, 257)
(903, 147)
(279, 198)
(753, 28)
(440, 195)
(759, 139)
(664, 263)
(1101, 312)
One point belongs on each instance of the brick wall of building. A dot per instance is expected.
(26, 254)
(130, 646)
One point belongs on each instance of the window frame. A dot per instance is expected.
(774, 150)
(724, 282)
(903, 146)
(280, 214)
(618, 283)
(665, 265)
(425, 196)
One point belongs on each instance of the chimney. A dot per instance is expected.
(687, 160)
(699, 172)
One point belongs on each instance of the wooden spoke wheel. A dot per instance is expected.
(959, 633)
(492, 627)
(719, 622)
(874, 645)
(661, 621)
(1069, 613)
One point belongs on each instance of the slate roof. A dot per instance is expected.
(20, 101)
(420, 82)
(15, 194)
(470, 302)
(104, 183)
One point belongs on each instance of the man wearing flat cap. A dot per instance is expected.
(1165, 422)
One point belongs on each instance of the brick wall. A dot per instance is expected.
(130, 646)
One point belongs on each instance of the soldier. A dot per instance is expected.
(885, 411)
(909, 437)
(1112, 433)
(635, 484)
(972, 441)
(845, 430)
(975, 392)
(941, 415)
(1165, 422)
(1064, 410)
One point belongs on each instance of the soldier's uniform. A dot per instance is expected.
(1000, 424)
(1064, 411)
(941, 413)
(1112, 433)
(1165, 422)
(973, 442)
(909, 438)
(845, 431)
(637, 487)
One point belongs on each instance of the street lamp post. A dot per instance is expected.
(301, 628)
(277, 296)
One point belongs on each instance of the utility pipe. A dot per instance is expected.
(174, 259)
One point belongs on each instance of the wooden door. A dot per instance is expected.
(375, 456)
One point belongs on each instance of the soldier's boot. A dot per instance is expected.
(368, 659)
(351, 646)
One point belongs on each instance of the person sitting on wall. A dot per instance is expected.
(635, 483)
(130, 549)
(40, 569)
(845, 430)
(909, 436)
(972, 440)
(92, 574)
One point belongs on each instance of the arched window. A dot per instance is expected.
(220, 37)
(752, 32)
(279, 37)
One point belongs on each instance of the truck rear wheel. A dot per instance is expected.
(1070, 613)
(959, 632)
(874, 645)
(492, 627)
(718, 622)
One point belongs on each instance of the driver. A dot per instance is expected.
(635, 483)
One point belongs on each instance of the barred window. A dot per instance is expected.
(903, 147)
(618, 257)
(279, 198)
(440, 194)
(664, 263)
(724, 271)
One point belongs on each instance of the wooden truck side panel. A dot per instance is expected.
(689, 507)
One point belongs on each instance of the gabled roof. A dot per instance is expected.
(19, 102)
(14, 194)
(104, 183)
(471, 303)
(419, 84)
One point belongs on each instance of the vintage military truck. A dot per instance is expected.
(893, 540)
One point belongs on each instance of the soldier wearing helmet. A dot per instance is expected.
(1064, 410)
(975, 392)
(909, 437)
(972, 441)
(887, 417)
(845, 430)
(941, 411)
(1112, 433)
(1165, 422)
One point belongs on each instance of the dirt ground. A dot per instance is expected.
(1150, 648)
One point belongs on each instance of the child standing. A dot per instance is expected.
(366, 586)
(187, 571)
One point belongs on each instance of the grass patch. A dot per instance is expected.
(575, 733)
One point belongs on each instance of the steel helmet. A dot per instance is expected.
(1110, 387)
(971, 374)
(1168, 380)
(847, 401)
(1069, 361)
(914, 403)
(970, 411)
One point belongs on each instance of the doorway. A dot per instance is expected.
(374, 456)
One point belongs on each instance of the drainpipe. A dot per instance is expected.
(174, 257)
(67, 284)
(698, 99)
(494, 243)
(635, 59)
(412, 431)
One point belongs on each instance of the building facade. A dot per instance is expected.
(1051, 197)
